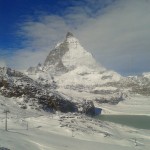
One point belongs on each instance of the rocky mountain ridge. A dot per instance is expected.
(33, 95)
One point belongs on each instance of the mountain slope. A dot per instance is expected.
(30, 94)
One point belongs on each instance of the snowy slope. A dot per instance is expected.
(69, 77)
(133, 105)
(146, 75)
(32, 94)
(46, 131)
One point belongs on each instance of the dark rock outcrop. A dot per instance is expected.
(16, 84)
(3, 148)
(88, 108)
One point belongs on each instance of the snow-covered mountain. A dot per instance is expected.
(76, 73)
(140, 84)
(67, 56)
(29, 94)
(146, 75)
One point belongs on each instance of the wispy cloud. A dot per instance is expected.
(3, 56)
(119, 38)
(24, 58)
(116, 32)
(2, 62)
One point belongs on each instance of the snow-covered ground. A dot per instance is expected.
(65, 131)
(133, 105)
(72, 133)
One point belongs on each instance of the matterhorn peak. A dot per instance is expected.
(69, 55)
(69, 34)
(71, 40)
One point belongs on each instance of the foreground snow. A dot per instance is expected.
(70, 132)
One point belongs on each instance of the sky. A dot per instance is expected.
(116, 32)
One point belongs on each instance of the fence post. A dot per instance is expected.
(6, 111)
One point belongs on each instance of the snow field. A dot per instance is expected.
(70, 132)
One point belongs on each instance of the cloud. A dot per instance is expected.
(3, 55)
(119, 38)
(44, 32)
(116, 32)
(2, 63)
(22, 59)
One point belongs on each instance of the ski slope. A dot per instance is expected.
(39, 130)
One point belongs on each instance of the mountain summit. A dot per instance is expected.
(68, 55)
(69, 34)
